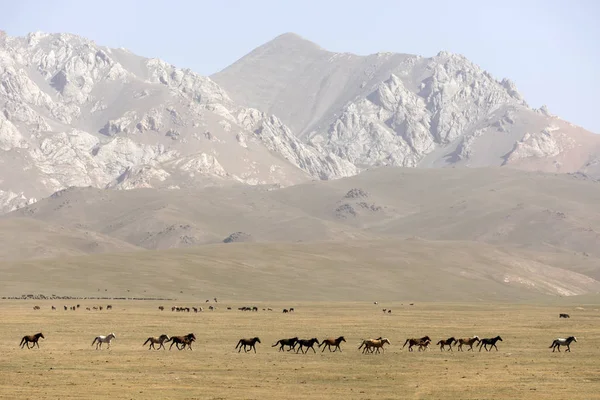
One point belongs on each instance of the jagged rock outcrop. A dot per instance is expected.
(77, 114)
(401, 109)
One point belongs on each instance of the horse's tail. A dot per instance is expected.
(552, 345)
(407, 340)
(94, 340)
(440, 342)
(23, 340)
(276, 343)
(147, 340)
(239, 343)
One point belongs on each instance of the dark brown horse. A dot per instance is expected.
(489, 342)
(247, 342)
(416, 342)
(287, 342)
(332, 342)
(31, 338)
(182, 340)
(308, 343)
(448, 342)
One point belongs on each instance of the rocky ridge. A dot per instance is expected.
(78, 114)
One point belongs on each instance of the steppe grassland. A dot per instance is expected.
(67, 366)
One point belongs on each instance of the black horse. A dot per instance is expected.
(491, 342)
(247, 342)
(287, 342)
(308, 343)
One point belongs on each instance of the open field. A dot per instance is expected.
(67, 367)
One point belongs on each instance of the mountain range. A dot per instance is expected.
(291, 158)
(78, 114)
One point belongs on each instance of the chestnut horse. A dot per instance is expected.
(332, 342)
(416, 342)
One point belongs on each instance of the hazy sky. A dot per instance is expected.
(550, 48)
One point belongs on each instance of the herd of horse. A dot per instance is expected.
(368, 345)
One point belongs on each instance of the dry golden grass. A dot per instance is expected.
(67, 366)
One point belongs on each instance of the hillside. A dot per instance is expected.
(384, 270)
(496, 205)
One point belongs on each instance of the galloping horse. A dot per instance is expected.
(247, 342)
(308, 343)
(491, 342)
(183, 340)
(448, 342)
(468, 341)
(103, 339)
(562, 342)
(373, 345)
(31, 338)
(286, 342)
(332, 342)
(157, 340)
(416, 342)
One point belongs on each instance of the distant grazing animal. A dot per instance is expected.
(65, 308)
(109, 307)
(448, 342)
(183, 340)
(415, 342)
(291, 309)
(286, 342)
(562, 342)
(468, 341)
(285, 310)
(36, 307)
(161, 308)
(103, 339)
(34, 339)
(54, 308)
(247, 342)
(308, 343)
(371, 345)
(332, 342)
(564, 316)
(489, 342)
(157, 340)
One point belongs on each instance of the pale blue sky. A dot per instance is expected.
(551, 48)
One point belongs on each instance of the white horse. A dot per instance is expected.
(103, 339)
(562, 342)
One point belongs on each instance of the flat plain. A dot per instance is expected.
(66, 366)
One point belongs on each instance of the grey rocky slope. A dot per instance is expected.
(405, 110)
(78, 114)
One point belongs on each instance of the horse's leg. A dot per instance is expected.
(37, 344)
(254, 347)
